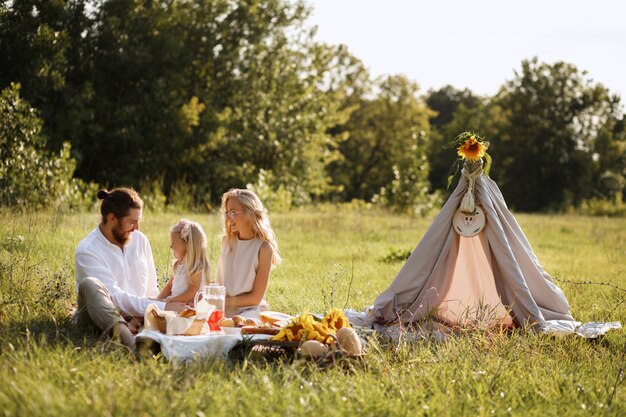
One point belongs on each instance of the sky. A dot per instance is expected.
(477, 44)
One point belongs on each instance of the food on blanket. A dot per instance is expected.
(259, 330)
(275, 318)
(335, 319)
(190, 312)
(349, 341)
(238, 320)
(227, 322)
(312, 349)
(305, 327)
(251, 322)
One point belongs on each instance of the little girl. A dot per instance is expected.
(249, 252)
(191, 265)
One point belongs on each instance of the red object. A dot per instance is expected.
(214, 320)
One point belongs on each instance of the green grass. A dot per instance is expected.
(50, 368)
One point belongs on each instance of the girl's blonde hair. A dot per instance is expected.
(196, 258)
(254, 210)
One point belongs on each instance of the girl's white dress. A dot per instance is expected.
(236, 270)
(181, 279)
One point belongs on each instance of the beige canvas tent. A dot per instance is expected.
(489, 279)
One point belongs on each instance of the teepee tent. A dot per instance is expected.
(474, 267)
(493, 277)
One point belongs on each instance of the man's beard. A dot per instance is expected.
(119, 235)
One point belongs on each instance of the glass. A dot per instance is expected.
(217, 298)
(214, 295)
(230, 214)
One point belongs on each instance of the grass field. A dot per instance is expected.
(50, 369)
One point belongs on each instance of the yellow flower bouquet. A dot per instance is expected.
(469, 147)
(306, 327)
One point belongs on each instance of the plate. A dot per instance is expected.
(231, 330)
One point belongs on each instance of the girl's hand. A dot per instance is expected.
(175, 306)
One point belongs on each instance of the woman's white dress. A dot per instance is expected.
(236, 270)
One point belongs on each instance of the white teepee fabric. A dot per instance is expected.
(491, 278)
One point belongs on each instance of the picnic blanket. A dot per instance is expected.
(590, 330)
(178, 348)
(188, 348)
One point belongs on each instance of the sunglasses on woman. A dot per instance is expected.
(231, 214)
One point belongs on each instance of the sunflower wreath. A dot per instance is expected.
(469, 147)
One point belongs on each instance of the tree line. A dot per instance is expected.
(185, 99)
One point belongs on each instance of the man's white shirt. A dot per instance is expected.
(129, 274)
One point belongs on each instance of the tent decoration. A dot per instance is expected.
(485, 274)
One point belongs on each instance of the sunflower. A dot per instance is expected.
(472, 149)
(305, 327)
(335, 319)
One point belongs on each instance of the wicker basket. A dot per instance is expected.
(193, 330)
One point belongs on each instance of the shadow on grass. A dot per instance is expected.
(50, 331)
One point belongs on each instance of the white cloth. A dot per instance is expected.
(187, 348)
(366, 318)
(181, 280)
(237, 268)
(175, 324)
(129, 274)
(589, 330)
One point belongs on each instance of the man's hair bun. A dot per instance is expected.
(118, 201)
(102, 194)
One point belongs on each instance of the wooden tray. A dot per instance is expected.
(270, 350)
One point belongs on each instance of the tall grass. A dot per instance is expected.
(332, 257)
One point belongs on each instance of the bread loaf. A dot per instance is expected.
(252, 322)
(190, 312)
(259, 330)
(274, 317)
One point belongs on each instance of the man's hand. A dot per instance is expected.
(134, 324)
(175, 306)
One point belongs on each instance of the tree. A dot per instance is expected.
(384, 151)
(486, 119)
(545, 151)
(277, 119)
(43, 47)
(609, 154)
(446, 101)
(201, 93)
(457, 111)
(30, 175)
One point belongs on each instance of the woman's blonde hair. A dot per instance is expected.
(196, 260)
(254, 210)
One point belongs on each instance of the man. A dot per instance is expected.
(115, 273)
